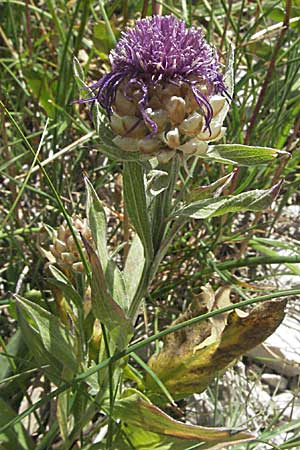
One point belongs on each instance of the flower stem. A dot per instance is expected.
(162, 207)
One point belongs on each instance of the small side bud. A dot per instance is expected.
(123, 105)
(210, 135)
(117, 125)
(134, 127)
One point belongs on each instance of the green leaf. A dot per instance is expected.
(62, 282)
(79, 74)
(214, 189)
(294, 268)
(133, 437)
(54, 336)
(15, 347)
(134, 267)
(102, 39)
(256, 200)
(241, 155)
(35, 345)
(136, 204)
(105, 308)
(277, 14)
(62, 413)
(98, 224)
(15, 437)
(141, 413)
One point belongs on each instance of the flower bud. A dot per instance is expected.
(64, 249)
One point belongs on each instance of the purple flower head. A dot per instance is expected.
(161, 51)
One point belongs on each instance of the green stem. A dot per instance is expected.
(162, 207)
(141, 292)
(254, 261)
(165, 245)
(163, 204)
(107, 23)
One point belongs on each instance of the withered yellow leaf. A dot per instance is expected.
(185, 365)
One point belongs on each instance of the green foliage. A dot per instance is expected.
(98, 223)
(214, 207)
(136, 204)
(241, 155)
(104, 306)
(47, 334)
(157, 424)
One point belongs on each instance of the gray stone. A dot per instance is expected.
(274, 380)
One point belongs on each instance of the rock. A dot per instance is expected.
(287, 404)
(277, 382)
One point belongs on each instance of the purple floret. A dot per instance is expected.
(161, 49)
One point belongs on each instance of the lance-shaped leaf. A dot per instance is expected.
(256, 200)
(214, 189)
(50, 341)
(241, 155)
(105, 308)
(134, 266)
(15, 347)
(192, 357)
(98, 224)
(140, 413)
(136, 204)
(15, 437)
(62, 282)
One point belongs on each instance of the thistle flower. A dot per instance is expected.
(165, 91)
